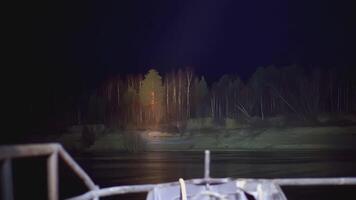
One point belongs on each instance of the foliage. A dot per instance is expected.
(151, 95)
(134, 142)
(145, 101)
(231, 123)
(151, 91)
(200, 123)
(87, 137)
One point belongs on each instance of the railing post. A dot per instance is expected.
(207, 165)
(96, 197)
(52, 176)
(6, 180)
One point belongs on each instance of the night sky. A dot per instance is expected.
(96, 39)
(67, 48)
(72, 46)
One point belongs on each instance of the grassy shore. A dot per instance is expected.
(268, 138)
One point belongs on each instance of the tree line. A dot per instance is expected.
(138, 101)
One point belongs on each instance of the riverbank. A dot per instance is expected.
(268, 138)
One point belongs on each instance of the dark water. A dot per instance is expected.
(157, 167)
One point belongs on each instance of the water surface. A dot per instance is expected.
(157, 167)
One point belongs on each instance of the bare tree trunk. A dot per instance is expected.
(189, 80)
(261, 105)
(167, 99)
(179, 95)
(338, 99)
(118, 92)
(286, 102)
(212, 106)
(174, 97)
(244, 111)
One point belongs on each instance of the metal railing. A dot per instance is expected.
(54, 151)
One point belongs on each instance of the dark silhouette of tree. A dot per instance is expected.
(200, 97)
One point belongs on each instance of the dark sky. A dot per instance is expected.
(65, 49)
(98, 38)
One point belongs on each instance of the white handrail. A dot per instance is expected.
(52, 150)
(315, 181)
(77, 169)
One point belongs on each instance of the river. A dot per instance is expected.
(158, 167)
(112, 169)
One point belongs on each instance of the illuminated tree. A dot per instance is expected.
(151, 95)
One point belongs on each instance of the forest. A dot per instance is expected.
(151, 100)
